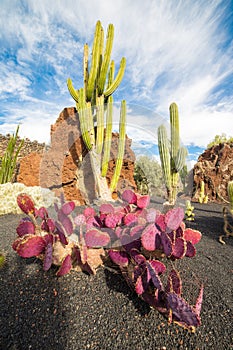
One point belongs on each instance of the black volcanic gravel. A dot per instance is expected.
(40, 311)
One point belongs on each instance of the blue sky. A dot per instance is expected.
(176, 51)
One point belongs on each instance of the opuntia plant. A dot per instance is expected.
(228, 214)
(172, 155)
(139, 240)
(94, 103)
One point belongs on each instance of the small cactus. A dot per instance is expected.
(189, 214)
(203, 198)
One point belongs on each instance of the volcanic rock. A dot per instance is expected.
(215, 168)
(66, 164)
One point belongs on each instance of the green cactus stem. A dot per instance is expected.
(117, 80)
(106, 60)
(108, 136)
(94, 63)
(100, 124)
(121, 147)
(172, 155)
(84, 119)
(164, 152)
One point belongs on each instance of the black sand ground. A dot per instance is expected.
(39, 311)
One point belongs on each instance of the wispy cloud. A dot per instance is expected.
(176, 51)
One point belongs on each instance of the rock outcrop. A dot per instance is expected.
(65, 166)
(215, 168)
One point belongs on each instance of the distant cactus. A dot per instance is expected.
(172, 155)
(93, 102)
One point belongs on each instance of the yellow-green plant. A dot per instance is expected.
(203, 198)
(9, 159)
(2, 259)
(220, 139)
(189, 214)
(172, 154)
(94, 103)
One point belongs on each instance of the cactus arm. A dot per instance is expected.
(180, 158)
(175, 137)
(100, 124)
(108, 136)
(83, 118)
(121, 146)
(111, 74)
(72, 91)
(117, 80)
(90, 124)
(164, 153)
(94, 62)
(96, 92)
(106, 60)
(85, 67)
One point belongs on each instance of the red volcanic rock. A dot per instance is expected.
(215, 168)
(29, 169)
(65, 165)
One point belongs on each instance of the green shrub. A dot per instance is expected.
(148, 176)
(9, 159)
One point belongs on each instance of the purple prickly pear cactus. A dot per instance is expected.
(138, 240)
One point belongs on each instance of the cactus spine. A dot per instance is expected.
(100, 82)
(172, 155)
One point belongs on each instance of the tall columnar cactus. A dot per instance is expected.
(172, 155)
(94, 103)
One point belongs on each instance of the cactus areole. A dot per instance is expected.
(94, 103)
